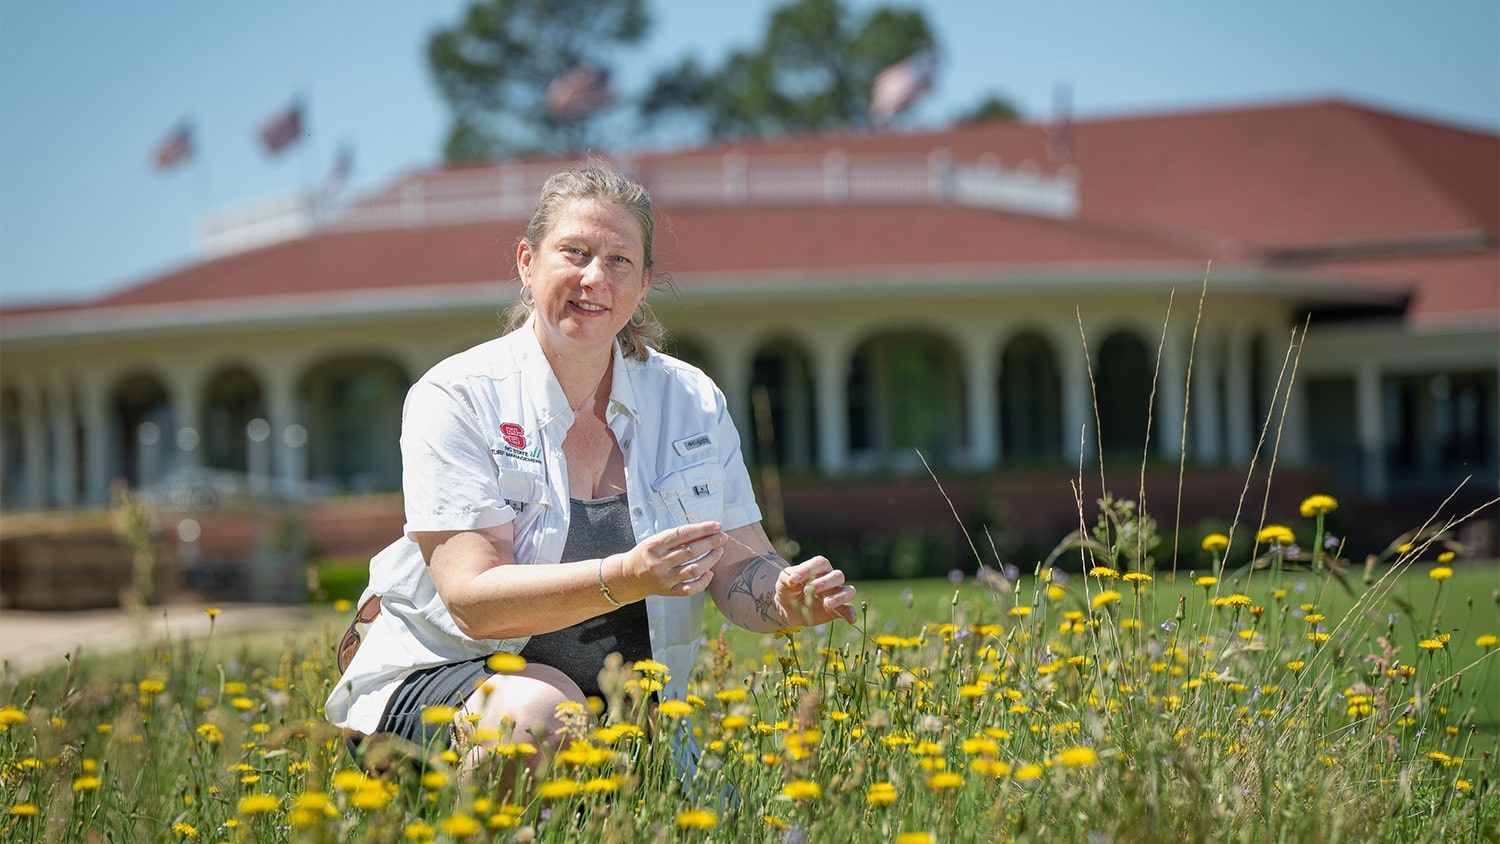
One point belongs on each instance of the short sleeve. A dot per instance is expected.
(448, 477)
(740, 508)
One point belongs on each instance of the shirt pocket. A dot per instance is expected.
(693, 493)
(521, 489)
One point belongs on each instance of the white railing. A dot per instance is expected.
(508, 191)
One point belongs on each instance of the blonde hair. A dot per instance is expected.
(596, 182)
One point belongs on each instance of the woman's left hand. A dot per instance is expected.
(814, 592)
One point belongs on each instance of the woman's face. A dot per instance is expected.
(588, 275)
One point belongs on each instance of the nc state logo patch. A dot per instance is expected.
(514, 445)
(514, 435)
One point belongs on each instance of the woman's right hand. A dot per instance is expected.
(678, 561)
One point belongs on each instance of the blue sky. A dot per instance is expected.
(89, 89)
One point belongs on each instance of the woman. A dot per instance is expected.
(570, 492)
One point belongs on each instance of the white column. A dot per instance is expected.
(1294, 450)
(831, 376)
(1079, 430)
(1208, 446)
(732, 367)
(1370, 428)
(98, 444)
(981, 365)
(1171, 396)
(34, 446)
(1242, 429)
(290, 472)
(64, 442)
(183, 444)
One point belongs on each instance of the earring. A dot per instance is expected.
(528, 296)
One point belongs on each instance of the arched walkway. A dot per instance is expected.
(1122, 390)
(231, 400)
(143, 428)
(1030, 401)
(906, 395)
(353, 410)
(782, 372)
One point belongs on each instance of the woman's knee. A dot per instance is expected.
(524, 704)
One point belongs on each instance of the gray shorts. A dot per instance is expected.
(440, 685)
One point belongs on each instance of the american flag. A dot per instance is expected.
(578, 91)
(282, 130)
(176, 147)
(899, 85)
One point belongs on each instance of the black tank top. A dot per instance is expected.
(595, 529)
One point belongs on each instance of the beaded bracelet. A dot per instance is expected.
(604, 588)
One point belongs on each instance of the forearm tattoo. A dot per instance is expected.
(761, 590)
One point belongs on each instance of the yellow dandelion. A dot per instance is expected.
(1275, 535)
(1440, 573)
(85, 783)
(371, 796)
(697, 819)
(1317, 505)
(1215, 542)
(348, 779)
(553, 789)
(1430, 644)
(731, 695)
(506, 663)
(916, 838)
(1020, 611)
(460, 825)
(1487, 641)
(802, 790)
(881, 794)
(1103, 572)
(1206, 580)
(1104, 599)
(184, 830)
(256, 804)
(1137, 577)
(650, 666)
(1078, 757)
(602, 785)
(439, 714)
(1295, 665)
(944, 780)
(419, 831)
(24, 810)
(1055, 592)
(1446, 557)
(212, 612)
(434, 779)
(1027, 773)
(10, 716)
(675, 708)
(981, 746)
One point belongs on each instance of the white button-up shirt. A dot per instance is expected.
(481, 445)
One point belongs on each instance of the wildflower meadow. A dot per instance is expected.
(1263, 695)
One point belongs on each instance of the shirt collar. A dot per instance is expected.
(550, 399)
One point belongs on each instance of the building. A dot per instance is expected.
(1313, 287)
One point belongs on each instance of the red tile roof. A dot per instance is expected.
(1240, 185)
